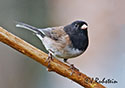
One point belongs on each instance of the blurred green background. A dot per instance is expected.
(105, 56)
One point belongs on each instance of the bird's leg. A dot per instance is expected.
(49, 58)
(72, 67)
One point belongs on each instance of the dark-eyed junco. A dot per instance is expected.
(64, 41)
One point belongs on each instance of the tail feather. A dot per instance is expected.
(29, 27)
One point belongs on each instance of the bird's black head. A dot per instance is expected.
(78, 34)
(79, 25)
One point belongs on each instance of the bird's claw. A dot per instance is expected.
(73, 68)
(49, 58)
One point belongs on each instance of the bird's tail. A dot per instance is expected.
(29, 27)
(26, 26)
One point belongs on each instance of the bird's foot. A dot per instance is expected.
(72, 67)
(49, 58)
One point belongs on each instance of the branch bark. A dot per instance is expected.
(54, 65)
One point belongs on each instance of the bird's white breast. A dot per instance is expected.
(68, 53)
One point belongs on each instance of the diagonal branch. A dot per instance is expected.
(55, 65)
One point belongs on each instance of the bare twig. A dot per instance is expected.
(54, 65)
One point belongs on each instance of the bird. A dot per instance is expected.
(66, 42)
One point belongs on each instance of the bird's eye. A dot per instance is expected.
(76, 25)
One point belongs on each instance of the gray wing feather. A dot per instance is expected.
(54, 32)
